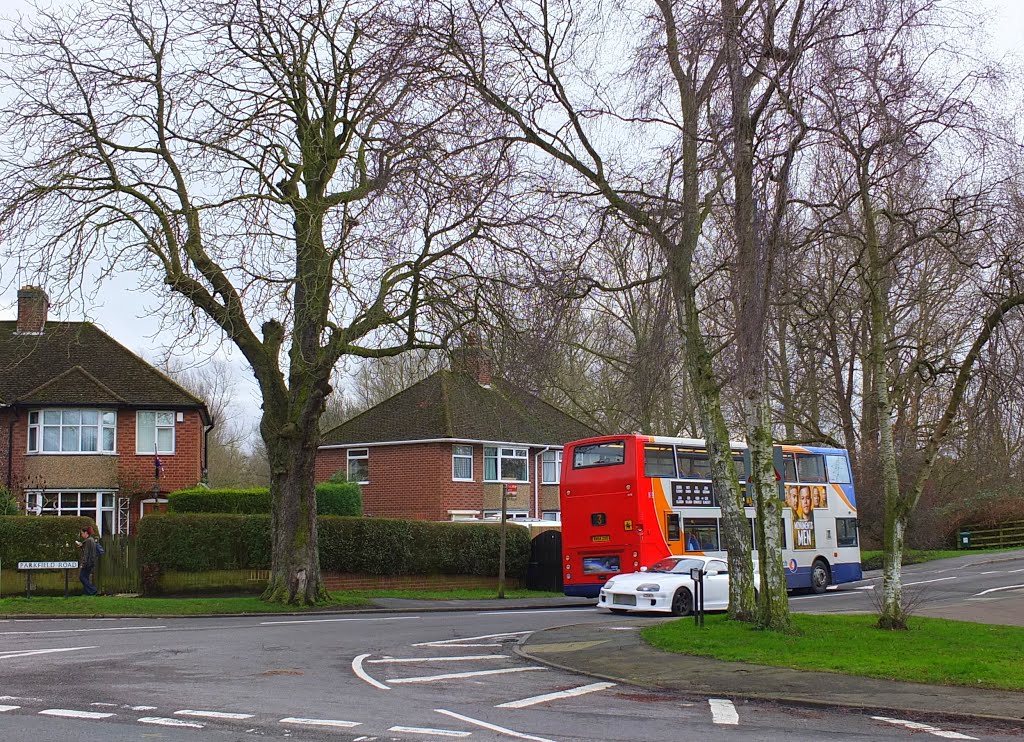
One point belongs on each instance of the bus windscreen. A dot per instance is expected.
(599, 454)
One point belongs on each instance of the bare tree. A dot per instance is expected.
(292, 174)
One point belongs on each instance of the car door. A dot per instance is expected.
(716, 586)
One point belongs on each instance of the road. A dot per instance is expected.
(410, 676)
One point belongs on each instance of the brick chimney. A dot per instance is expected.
(33, 305)
(474, 359)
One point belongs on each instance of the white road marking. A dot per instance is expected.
(363, 739)
(212, 714)
(621, 628)
(998, 589)
(1013, 571)
(917, 726)
(545, 610)
(161, 721)
(19, 698)
(357, 668)
(30, 652)
(428, 730)
(444, 642)
(572, 692)
(457, 675)
(9, 708)
(337, 620)
(80, 631)
(462, 658)
(492, 727)
(142, 708)
(832, 596)
(925, 582)
(865, 587)
(993, 572)
(723, 712)
(321, 722)
(72, 714)
(108, 705)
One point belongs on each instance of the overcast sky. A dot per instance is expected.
(132, 317)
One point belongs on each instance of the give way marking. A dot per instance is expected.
(570, 693)
(919, 727)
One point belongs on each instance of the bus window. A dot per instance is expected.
(790, 475)
(846, 531)
(672, 526)
(599, 454)
(838, 470)
(598, 519)
(659, 461)
(810, 468)
(753, 533)
(705, 530)
(693, 465)
(741, 468)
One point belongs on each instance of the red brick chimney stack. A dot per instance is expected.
(474, 359)
(33, 305)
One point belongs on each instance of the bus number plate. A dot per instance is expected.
(600, 538)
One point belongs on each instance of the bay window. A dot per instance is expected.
(72, 430)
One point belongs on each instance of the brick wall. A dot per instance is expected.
(415, 481)
(183, 468)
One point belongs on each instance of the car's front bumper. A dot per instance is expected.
(634, 601)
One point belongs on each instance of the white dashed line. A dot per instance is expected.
(31, 652)
(337, 620)
(925, 582)
(428, 730)
(8, 708)
(73, 714)
(321, 722)
(919, 727)
(492, 727)
(998, 589)
(161, 721)
(571, 693)
(458, 642)
(723, 712)
(546, 610)
(457, 675)
(107, 705)
(212, 714)
(462, 658)
(357, 668)
(142, 708)
(80, 631)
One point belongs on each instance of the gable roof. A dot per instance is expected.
(450, 404)
(77, 363)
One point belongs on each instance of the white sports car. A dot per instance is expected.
(666, 587)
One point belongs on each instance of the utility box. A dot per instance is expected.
(965, 540)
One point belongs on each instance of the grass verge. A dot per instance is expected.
(107, 605)
(872, 559)
(933, 650)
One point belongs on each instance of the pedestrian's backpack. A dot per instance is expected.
(100, 551)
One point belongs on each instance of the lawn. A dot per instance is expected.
(872, 559)
(933, 650)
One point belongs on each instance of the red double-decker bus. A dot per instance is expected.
(629, 500)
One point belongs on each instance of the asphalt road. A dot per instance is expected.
(411, 676)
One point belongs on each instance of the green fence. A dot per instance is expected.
(1005, 535)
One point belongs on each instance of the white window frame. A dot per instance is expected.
(501, 454)
(37, 427)
(34, 500)
(549, 457)
(357, 454)
(517, 514)
(461, 455)
(156, 432)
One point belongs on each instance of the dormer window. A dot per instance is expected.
(72, 431)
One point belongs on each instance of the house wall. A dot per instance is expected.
(415, 481)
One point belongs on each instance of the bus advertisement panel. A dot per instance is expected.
(629, 500)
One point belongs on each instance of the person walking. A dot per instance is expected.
(86, 560)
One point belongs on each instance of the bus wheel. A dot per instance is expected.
(820, 577)
(682, 602)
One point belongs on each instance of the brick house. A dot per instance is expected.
(86, 426)
(445, 448)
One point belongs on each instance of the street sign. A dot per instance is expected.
(46, 565)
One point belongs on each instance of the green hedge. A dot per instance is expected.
(29, 538)
(332, 498)
(377, 546)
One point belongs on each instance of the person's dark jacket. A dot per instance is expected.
(87, 553)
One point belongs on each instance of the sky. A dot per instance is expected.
(132, 316)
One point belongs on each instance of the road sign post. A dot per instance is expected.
(697, 575)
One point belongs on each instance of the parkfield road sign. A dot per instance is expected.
(22, 566)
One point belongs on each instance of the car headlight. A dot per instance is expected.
(648, 587)
(608, 584)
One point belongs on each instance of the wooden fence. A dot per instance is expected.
(1005, 535)
(117, 571)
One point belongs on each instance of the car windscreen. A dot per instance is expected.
(677, 566)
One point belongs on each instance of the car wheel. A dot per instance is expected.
(682, 602)
(620, 611)
(820, 577)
